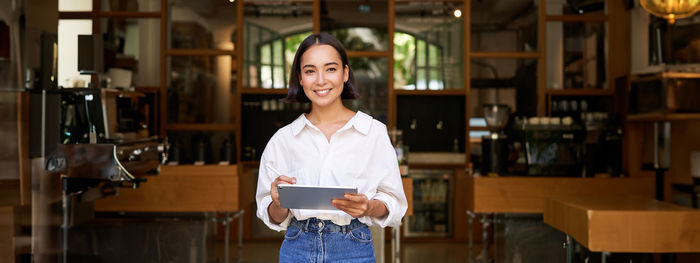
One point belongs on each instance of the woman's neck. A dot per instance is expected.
(329, 114)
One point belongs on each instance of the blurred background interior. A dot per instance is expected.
(132, 129)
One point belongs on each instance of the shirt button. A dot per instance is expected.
(320, 224)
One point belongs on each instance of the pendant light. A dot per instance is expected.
(671, 9)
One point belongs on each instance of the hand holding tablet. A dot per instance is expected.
(311, 197)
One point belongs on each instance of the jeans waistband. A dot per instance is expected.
(315, 224)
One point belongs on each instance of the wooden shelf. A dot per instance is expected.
(124, 93)
(580, 92)
(669, 75)
(592, 18)
(129, 14)
(199, 127)
(445, 92)
(473, 128)
(250, 163)
(146, 89)
(200, 52)
(664, 117)
(505, 55)
(262, 91)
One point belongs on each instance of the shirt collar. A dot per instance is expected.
(361, 122)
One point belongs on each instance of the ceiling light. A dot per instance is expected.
(671, 9)
(457, 13)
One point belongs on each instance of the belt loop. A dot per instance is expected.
(306, 226)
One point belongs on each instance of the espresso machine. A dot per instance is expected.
(494, 146)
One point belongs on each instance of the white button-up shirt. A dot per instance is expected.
(359, 155)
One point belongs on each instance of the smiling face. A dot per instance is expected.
(322, 75)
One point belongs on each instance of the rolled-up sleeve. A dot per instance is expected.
(390, 188)
(262, 195)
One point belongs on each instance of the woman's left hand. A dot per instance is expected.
(356, 205)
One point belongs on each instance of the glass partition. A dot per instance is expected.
(74, 5)
(206, 24)
(131, 5)
(576, 55)
(359, 25)
(428, 46)
(132, 47)
(272, 34)
(504, 81)
(199, 89)
(576, 7)
(371, 83)
(505, 26)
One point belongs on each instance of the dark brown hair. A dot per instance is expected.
(296, 91)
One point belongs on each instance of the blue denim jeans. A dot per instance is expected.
(315, 240)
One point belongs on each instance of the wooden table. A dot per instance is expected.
(184, 188)
(625, 224)
(494, 195)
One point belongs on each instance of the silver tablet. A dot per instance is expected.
(311, 197)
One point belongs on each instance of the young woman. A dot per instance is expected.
(329, 146)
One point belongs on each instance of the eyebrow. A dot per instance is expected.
(327, 64)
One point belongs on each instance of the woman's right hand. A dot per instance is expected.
(275, 210)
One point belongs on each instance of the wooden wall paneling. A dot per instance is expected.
(7, 233)
(684, 140)
(459, 215)
(618, 24)
(466, 61)
(391, 96)
(25, 165)
(163, 66)
(316, 13)
(542, 61)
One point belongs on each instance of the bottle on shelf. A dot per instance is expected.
(401, 150)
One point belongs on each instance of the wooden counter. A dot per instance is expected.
(626, 224)
(528, 194)
(182, 188)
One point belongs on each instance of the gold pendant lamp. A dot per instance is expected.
(671, 9)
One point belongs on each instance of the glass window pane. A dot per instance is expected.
(281, 27)
(199, 89)
(205, 24)
(291, 44)
(433, 55)
(265, 54)
(504, 29)
(371, 83)
(132, 44)
(436, 80)
(504, 81)
(277, 51)
(576, 55)
(359, 25)
(421, 80)
(266, 76)
(74, 5)
(131, 5)
(420, 49)
(68, 31)
(279, 82)
(404, 61)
